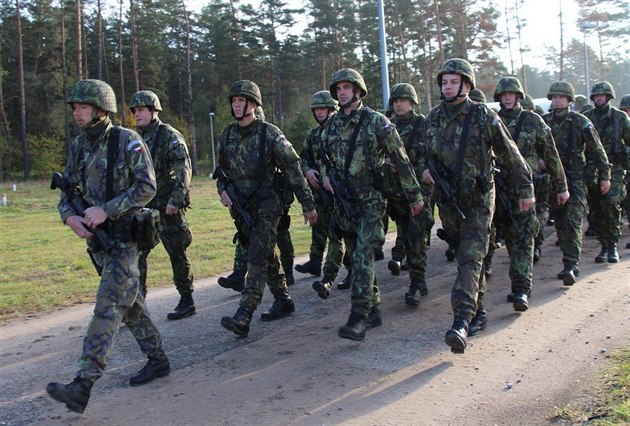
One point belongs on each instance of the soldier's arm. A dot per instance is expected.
(595, 150)
(222, 159)
(553, 164)
(288, 162)
(179, 158)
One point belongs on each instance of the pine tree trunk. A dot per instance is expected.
(26, 157)
(189, 95)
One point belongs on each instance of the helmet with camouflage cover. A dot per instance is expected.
(323, 99)
(403, 91)
(145, 98)
(247, 89)
(580, 101)
(603, 88)
(508, 85)
(93, 92)
(527, 102)
(561, 88)
(457, 66)
(347, 74)
(477, 96)
(625, 102)
(259, 113)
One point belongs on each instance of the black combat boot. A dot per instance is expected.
(378, 254)
(313, 267)
(283, 306)
(289, 278)
(603, 255)
(75, 394)
(568, 274)
(457, 336)
(323, 287)
(613, 254)
(519, 301)
(510, 297)
(157, 366)
(487, 266)
(404, 266)
(412, 297)
(394, 267)
(235, 281)
(479, 322)
(345, 284)
(450, 253)
(537, 253)
(374, 318)
(239, 323)
(185, 308)
(354, 328)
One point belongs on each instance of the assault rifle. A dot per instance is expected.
(445, 188)
(342, 194)
(503, 195)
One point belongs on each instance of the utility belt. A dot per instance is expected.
(142, 228)
(357, 183)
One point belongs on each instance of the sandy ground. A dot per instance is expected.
(297, 371)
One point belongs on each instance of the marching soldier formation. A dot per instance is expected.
(488, 172)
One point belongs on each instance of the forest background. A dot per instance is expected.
(190, 58)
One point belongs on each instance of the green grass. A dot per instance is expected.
(45, 266)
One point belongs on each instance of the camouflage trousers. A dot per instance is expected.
(543, 195)
(605, 210)
(568, 221)
(626, 201)
(362, 235)
(471, 238)
(413, 231)
(176, 237)
(118, 299)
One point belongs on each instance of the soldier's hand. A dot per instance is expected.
(542, 165)
(310, 217)
(327, 186)
(94, 216)
(225, 199)
(77, 225)
(313, 178)
(562, 197)
(524, 204)
(416, 208)
(171, 209)
(604, 186)
(427, 178)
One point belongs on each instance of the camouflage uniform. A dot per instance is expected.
(474, 189)
(376, 139)
(173, 173)
(613, 128)
(624, 105)
(577, 142)
(118, 298)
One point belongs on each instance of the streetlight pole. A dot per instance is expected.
(214, 161)
(383, 45)
(584, 27)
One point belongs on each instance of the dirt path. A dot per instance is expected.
(297, 371)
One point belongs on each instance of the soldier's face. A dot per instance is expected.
(450, 86)
(559, 102)
(321, 113)
(600, 100)
(508, 99)
(402, 106)
(345, 92)
(143, 115)
(83, 114)
(239, 104)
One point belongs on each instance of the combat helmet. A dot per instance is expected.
(93, 92)
(323, 99)
(259, 113)
(403, 91)
(458, 66)
(507, 85)
(561, 88)
(528, 102)
(603, 88)
(247, 89)
(347, 74)
(145, 98)
(625, 102)
(579, 102)
(477, 96)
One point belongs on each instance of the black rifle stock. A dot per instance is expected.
(342, 193)
(503, 194)
(446, 189)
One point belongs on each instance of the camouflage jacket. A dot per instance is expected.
(613, 128)
(308, 156)
(377, 139)
(173, 169)
(133, 177)
(256, 180)
(577, 142)
(535, 143)
(487, 136)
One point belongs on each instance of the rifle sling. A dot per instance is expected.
(113, 144)
(156, 143)
(519, 125)
(353, 143)
(463, 141)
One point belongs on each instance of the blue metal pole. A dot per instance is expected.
(384, 73)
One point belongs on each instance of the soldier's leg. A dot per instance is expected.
(416, 228)
(236, 280)
(593, 201)
(332, 264)
(319, 235)
(401, 216)
(542, 191)
(610, 219)
(285, 246)
(142, 267)
(520, 242)
(568, 221)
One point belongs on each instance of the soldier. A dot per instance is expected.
(577, 142)
(173, 172)
(355, 144)
(412, 229)
(112, 169)
(462, 137)
(521, 229)
(250, 151)
(527, 103)
(613, 128)
(477, 96)
(624, 105)
(580, 103)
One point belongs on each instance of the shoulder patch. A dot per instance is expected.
(134, 145)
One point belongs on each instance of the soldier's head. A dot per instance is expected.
(347, 87)
(528, 103)
(145, 106)
(508, 92)
(323, 105)
(579, 102)
(602, 93)
(456, 79)
(539, 110)
(244, 97)
(91, 101)
(624, 105)
(561, 94)
(477, 96)
(402, 98)
(259, 113)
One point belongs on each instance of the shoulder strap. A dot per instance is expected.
(414, 130)
(156, 142)
(113, 144)
(519, 124)
(353, 142)
(261, 156)
(463, 141)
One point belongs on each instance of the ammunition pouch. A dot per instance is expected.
(121, 229)
(466, 193)
(146, 228)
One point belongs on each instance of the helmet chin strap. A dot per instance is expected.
(245, 114)
(95, 120)
(450, 99)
